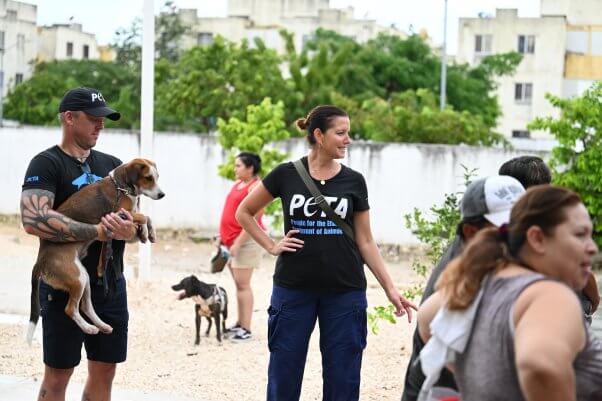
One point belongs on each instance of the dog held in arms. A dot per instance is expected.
(211, 301)
(59, 263)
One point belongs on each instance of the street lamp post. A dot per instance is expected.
(1, 87)
(444, 61)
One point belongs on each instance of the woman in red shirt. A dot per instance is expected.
(246, 254)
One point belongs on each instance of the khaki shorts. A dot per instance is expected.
(248, 257)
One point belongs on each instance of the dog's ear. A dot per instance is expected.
(138, 168)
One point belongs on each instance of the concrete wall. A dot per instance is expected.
(400, 177)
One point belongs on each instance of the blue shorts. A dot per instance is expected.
(62, 338)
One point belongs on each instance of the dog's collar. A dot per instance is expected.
(128, 190)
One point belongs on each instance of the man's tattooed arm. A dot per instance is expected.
(39, 219)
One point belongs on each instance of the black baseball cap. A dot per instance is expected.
(88, 100)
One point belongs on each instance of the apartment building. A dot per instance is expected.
(66, 42)
(562, 55)
(18, 42)
(265, 18)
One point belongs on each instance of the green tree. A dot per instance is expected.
(577, 159)
(472, 89)
(169, 30)
(126, 44)
(36, 101)
(220, 80)
(263, 124)
(414, 116)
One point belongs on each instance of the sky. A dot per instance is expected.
(103, 18)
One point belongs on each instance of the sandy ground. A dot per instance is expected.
(161, 354)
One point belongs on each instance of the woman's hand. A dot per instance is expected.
(402, 305)
(287, 244)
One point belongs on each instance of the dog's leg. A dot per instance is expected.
(151, 230)
(86, 303)
(218, 328)
(75, 288)
(197, 322)
(142, 222)
(225, 310)
(209, 326)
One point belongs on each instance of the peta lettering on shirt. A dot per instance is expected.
(309, 206)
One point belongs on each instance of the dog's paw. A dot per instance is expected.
(151, 230)
(142, 233)
(90, 330)
(151, 236)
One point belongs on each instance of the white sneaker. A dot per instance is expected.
(242, 335)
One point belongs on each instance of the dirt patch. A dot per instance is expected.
(161, 354)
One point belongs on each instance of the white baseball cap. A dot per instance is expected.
(492, 198)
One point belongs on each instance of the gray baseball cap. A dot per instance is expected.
(492, 198)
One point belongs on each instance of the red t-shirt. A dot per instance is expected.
(229, 228)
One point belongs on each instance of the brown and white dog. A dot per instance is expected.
(59, 263)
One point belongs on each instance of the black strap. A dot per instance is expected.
(319, 199)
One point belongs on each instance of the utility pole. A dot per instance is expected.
(147, 97)
(444, 61)
(1, 87)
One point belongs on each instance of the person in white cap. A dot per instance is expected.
(505, 316)
(486, 203)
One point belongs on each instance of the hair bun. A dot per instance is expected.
(301, 123)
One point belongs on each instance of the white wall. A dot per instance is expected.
(400, 177)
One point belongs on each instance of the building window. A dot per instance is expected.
(69, 49)
(526, 44)
(21, 42)
(1, 40)
(482, 44)
(521, 133)
(11, 15)
(205, 38)
(86, 52)
(18, 78)
(523, 92)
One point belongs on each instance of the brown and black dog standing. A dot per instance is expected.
(59, 263)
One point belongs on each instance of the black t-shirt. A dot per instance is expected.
(55, 171)
(329, 259)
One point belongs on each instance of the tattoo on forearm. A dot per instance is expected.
(42, 394)
(37, 213)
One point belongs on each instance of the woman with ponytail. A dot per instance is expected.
(529, 340)
(320, 268)
(245, 253)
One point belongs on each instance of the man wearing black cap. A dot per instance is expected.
(52, 176)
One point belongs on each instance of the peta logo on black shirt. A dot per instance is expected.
(309, 207)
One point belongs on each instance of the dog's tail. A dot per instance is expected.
(34, 311)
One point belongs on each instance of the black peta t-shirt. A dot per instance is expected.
(329, 259)
(55, 171)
